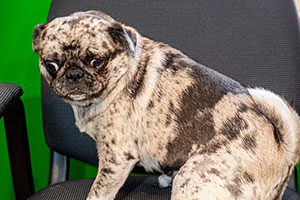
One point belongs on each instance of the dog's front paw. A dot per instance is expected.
(164, 181)
(92, 197)
(97, 197)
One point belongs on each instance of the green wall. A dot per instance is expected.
(19, 64)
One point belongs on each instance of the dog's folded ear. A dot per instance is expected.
(124, 36)
(36, 36)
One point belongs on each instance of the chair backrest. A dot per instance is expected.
(255, 42)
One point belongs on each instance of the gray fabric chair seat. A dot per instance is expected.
(135, 188)
(290, 194)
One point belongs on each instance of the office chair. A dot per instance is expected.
(255, 42)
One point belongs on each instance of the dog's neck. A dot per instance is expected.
(142, 79)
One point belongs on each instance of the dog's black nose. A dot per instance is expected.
(75, 75)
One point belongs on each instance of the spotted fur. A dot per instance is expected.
(149, 104)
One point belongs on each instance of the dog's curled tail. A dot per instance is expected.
(285, 119)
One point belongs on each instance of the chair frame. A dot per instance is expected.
(19, 153)
(18, 149)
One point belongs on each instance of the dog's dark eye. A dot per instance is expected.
(98, 63)
(52, 67)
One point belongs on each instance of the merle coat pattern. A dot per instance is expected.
(146, 103)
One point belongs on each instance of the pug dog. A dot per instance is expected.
(146, 103)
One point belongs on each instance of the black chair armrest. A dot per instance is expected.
(9, 92)
(12, 110)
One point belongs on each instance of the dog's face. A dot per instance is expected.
(81, 54)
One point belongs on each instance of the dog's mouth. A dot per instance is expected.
(76, 92)
(85, 91)
(77, 95)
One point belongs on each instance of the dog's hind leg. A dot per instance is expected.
(214, 178)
